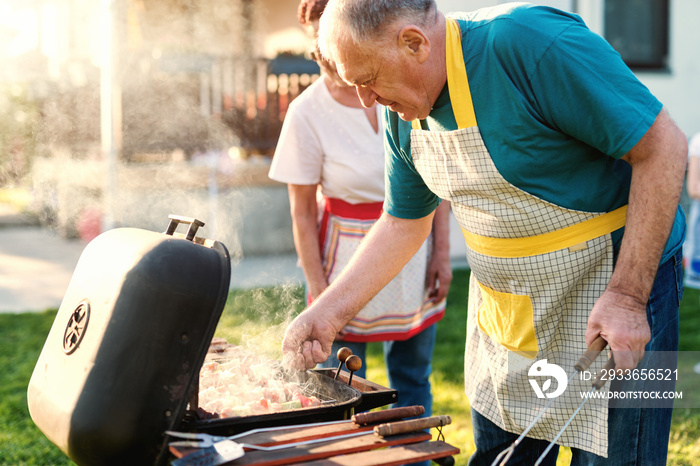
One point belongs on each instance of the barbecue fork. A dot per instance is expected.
(597, 384)
(581, 365)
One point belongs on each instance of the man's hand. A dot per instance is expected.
(307, 341)
(622, 321)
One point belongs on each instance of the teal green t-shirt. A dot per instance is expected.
(556, 107)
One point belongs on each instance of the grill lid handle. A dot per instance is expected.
(175, 220)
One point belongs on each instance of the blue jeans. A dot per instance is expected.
(636, 435)
(408, 364)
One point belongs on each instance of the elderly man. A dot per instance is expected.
(564, 173)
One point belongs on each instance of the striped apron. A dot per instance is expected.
(537, 271)
(402, 309)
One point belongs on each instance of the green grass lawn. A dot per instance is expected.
(259, 317)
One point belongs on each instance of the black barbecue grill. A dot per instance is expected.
(121, 363)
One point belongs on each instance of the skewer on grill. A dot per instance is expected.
(342, 355)
(353, 363)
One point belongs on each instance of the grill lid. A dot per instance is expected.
(123, 355)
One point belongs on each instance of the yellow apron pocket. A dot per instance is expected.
(509, 319)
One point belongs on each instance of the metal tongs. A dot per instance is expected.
(598, 383)
(582, 364)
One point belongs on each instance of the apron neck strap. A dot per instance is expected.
(457, 83)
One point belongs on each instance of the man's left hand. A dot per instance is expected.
(622, 321)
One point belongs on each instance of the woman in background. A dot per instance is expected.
(692, 243)
(331, 155)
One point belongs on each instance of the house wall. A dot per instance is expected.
(283, 32)
(256, 220)
(677, 87)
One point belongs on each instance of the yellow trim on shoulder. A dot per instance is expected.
(569, 237)
(457, 81)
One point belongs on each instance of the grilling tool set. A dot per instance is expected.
(293, 444)
(581, 365)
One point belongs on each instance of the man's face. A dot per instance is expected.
(387, 76)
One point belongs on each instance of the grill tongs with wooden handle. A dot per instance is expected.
(582, 364)
(597, 384)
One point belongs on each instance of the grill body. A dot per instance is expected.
(123, 355)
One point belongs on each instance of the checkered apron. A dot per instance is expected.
(537, 270)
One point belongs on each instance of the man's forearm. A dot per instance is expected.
(619, 314)
(658, 169)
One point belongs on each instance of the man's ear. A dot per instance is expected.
(414, 42)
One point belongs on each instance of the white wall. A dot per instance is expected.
(283, 32)
(678, 87)
(468, 5)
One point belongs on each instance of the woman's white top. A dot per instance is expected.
(323, 141)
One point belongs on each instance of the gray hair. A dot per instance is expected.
(360, 20)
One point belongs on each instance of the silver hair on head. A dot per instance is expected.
(360, 20)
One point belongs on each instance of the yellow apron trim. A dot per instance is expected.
(457, 82)
(509, 319)
(570, 237)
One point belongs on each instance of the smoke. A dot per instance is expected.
(257, 319)
(194, 121)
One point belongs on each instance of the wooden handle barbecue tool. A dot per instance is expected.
(385, 415)
(342, 354)
(402, 427)
(597, 384)
(589, 356)
(583, 363)
(352, 363)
